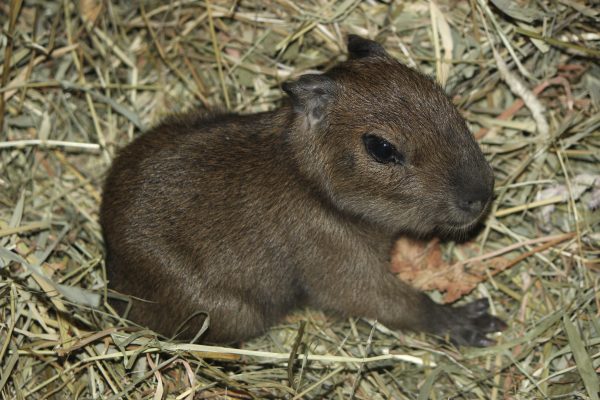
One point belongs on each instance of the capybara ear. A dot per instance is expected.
(359, 47)
(310, 95)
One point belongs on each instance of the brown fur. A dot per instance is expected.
(248, 217)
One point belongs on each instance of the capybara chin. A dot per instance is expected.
(246, 217)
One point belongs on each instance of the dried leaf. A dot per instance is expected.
(422, 265)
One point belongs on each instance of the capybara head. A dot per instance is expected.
(385, 143)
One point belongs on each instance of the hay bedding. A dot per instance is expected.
(81, 79)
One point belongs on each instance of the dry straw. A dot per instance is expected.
(81, 79)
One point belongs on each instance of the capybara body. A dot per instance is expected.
(247, 217)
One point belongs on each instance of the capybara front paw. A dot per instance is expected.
(469, 325)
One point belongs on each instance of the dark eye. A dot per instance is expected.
(382, 150)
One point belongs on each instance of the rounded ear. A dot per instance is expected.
(359, 47)
(310, 95)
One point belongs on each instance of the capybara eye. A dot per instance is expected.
(381, 150)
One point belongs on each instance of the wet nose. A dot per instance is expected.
(473, 194)
(471, 205)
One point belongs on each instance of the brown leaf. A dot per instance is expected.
(422, 265)
(409, 255)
